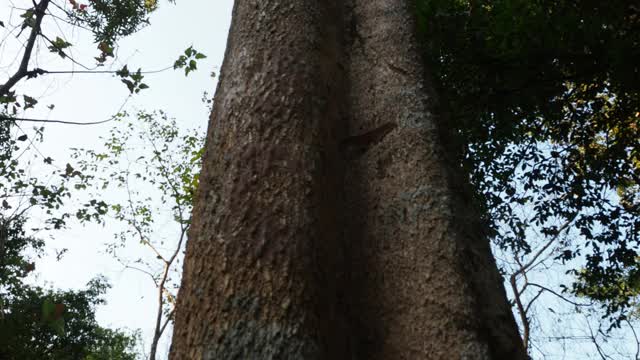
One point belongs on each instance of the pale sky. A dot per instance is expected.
(200, 23)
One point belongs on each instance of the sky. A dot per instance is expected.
(203, 24)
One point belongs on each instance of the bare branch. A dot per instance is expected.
(558, 295)
(9, 118)
(521, 311)
(635, 336)
(524, 268)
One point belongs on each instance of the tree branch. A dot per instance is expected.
(4, 117)
(26, 57)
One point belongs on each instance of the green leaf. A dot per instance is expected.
(48, 308)
(29, 102)
(58, 326)
(129, 84)
(124, 72)
(26, 15)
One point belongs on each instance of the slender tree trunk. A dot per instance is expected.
(328, 223)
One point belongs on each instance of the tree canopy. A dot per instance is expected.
(544, 101)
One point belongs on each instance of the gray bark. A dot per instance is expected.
(329, 223)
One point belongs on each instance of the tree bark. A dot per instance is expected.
(329, 223)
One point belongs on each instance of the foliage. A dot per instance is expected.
(25, 186)
(39, 323)
(545, 103)
(163, 177)
(14, 265)
(107, 20)
(165, 158)
(189, 61)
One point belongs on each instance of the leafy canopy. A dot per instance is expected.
(544, 99)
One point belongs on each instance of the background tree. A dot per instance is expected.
(41, 323)
(543, 100)
(153, 166)
(24, 188)
(38, 323)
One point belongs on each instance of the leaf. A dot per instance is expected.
(129, 84)
(22, 137)
(150, 4)
(27, 14)
(29, 102)
(124, 72)
(58, 326)
(47, 309)
(58, 45)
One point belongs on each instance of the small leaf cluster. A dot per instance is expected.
(189, 61)
(133, 80)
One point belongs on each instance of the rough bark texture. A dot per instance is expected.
(259, 274)
(427, 287)
(328, 224)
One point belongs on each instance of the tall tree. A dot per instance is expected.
(329, 222)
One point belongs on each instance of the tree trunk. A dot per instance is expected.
(329, 223)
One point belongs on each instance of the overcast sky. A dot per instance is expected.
(201, 23)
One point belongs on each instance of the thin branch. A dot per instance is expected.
(524, 268)
(38, 72)
(40, 11)
(533, 300)
(45, 72)
(595, 342)
(521, 312)
(635, 336)
(140, 270)
(166, 321)
(66, 55)
(66, 21)
(558, 295)
(160, 329)
(4, 117)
